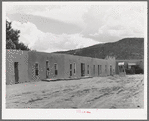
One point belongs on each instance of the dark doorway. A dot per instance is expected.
(111, 70)
(82, 69)
(70, 69)
(47, 69)
(36, 69)
(16, 71)
(98, 70)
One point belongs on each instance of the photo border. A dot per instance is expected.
(85, 115)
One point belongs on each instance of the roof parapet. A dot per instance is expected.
(110, 58)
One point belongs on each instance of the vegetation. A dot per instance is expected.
(134, 70)
(128, 48)
(12, 38)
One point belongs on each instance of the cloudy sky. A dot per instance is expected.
(62, 26)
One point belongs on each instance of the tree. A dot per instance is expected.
(12, 38)
(10, 44)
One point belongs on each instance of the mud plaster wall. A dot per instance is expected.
(111, 62)
(101, 62)
(41, 58)
(28, 59)
(70, 59)
(22, 58)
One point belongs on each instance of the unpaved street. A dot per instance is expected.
(98, 92)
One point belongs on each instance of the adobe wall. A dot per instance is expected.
(41, 58)
(111, 62)
(70, 59)
(22, 58)
(27, 60)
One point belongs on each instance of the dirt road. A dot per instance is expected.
(98, 92)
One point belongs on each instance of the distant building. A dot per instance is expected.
(131, 66)
(28, 66)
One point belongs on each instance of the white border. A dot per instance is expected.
(71, 113)
(3, 59)
(77, 3)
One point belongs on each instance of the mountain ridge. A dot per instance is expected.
(127, 48)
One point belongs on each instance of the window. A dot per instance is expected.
(47, 63)
(74, 68)
(70, 69)
(36, 69)
(70, 66)
(94, 69)
(87, 69)
(56, 69)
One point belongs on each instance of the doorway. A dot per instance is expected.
(70, 70)
(98, 70)
(36, 70)
(16, 71)
(82, 69)
(111, 70)
(47, 69)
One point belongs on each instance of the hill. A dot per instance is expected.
(127, 48)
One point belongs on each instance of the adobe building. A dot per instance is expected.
(28, 66)
(129, 64)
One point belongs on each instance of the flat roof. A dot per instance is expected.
(131, 64)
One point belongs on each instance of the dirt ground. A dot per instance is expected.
(98, 92)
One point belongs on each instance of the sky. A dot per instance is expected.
(51, 27)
